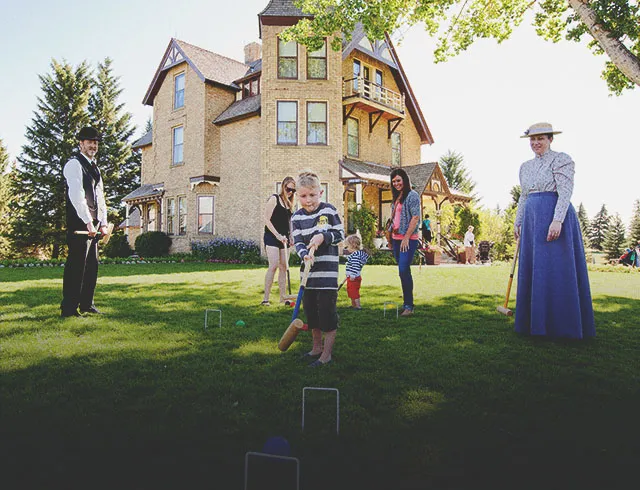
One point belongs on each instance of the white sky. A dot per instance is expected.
(477, 104)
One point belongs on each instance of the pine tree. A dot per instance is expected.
(457, 175)
(634, 227)
(39, 211)
(148, 126)
(598, 229)
(5, 201)
(615, 240)
(119, 165)
(583, 219)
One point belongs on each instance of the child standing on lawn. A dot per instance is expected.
(317, 226)
(355, 262)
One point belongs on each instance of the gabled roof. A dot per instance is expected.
(240, 109)
(146, 192)
(147, 139)
(385, 52)
(210, 67)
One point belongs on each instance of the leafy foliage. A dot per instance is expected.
(615, 240)
(366, 221)
(457, 175)
(228, 250)
(467, 217)
(153, 244)
(118, 246)
(459, 23)
(5, 201)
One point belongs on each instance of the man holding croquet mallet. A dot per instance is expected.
(317, 225)
(554, 296)
(86, 216)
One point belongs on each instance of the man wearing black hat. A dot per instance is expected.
(86, 212)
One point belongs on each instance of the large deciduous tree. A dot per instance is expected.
(39, 214)
(613, 25)
(119, 165)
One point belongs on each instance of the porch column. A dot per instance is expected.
(438, 215)
(358, 195)
(126, 218)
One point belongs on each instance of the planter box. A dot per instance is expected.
(432, 258)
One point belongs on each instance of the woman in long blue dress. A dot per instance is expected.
(554, 296)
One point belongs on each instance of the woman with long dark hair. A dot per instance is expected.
(277, 232)
(405, 218)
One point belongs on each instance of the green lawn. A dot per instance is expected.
(145, 398)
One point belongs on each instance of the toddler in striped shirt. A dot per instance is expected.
(355, 262)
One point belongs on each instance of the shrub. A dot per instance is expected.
(381, 257)
(228, 250)
(118, 246)
(153, 244)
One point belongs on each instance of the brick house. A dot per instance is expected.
(225, 133)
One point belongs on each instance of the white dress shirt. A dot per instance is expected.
(73, 174)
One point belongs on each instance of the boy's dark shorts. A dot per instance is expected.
(320, 309)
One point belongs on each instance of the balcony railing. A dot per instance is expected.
(361, 87)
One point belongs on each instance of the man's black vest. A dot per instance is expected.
(90, 179)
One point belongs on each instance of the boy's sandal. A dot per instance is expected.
(319, 363)
(265, 303)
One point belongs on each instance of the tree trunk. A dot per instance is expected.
(620, 56)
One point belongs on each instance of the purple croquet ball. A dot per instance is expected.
(277, 445)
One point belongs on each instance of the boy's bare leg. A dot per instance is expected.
(355, 303)
(329, 339)
(316, 334)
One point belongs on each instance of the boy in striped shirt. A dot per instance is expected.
(316, 225)
(355, 262)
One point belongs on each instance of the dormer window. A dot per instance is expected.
(287, 60)
(250, 87)
(178, 92)
(317, 63)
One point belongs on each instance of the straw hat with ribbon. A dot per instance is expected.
(539, 128)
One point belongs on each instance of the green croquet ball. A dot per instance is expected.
(240, 323)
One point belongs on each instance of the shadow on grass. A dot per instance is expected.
(448, 398)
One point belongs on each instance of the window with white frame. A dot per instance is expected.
(205, 215)
(316, 123)
(353, 137)
(178, 91)
(396, 149)
(287, 59)
(287, 123)
(182, 215)
(178, 144)
(317, 63)
(171, 216)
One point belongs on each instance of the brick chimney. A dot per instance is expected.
(252, 52)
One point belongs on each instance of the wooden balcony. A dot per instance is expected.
(378, 101)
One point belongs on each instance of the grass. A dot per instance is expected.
(145, 398)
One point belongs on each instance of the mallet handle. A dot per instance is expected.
(513, 269)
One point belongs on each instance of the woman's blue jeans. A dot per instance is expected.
(404, 260)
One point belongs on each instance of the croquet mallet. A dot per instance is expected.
(504, 309)
(288, 300)
(296, 325)
(342, 284)
(104, 239)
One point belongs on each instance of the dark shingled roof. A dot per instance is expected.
(144, 141)
(283, 8)
(145, 191)
(240, 109)
(134, 219)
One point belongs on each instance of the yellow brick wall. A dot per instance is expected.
(376, 146)
(281, 161)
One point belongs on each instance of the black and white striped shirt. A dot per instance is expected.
(355, 263)
(325, 220)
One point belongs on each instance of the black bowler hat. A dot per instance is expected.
(88, 133)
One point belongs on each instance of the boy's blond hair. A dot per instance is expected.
(353, 241)
(309, 180)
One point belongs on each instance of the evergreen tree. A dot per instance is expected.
(583, 219)
(614, 240)
(515, 196)
(39, 212)
(634, 227)
(119, 165)
(5, 201)
(457, 175)
(598, 229)
(148, 126)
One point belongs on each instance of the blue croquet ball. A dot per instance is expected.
(240, 323)
(277, 445)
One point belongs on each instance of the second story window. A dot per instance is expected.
(287, 123)
(205, 215)
(178, 91)
(316, 123)
(178, 143)
(171, 216)
(317, 63)
(287, 59)
(396, 149)
(250, 88)
(353, 137)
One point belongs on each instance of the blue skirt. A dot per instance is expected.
(554, 296)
